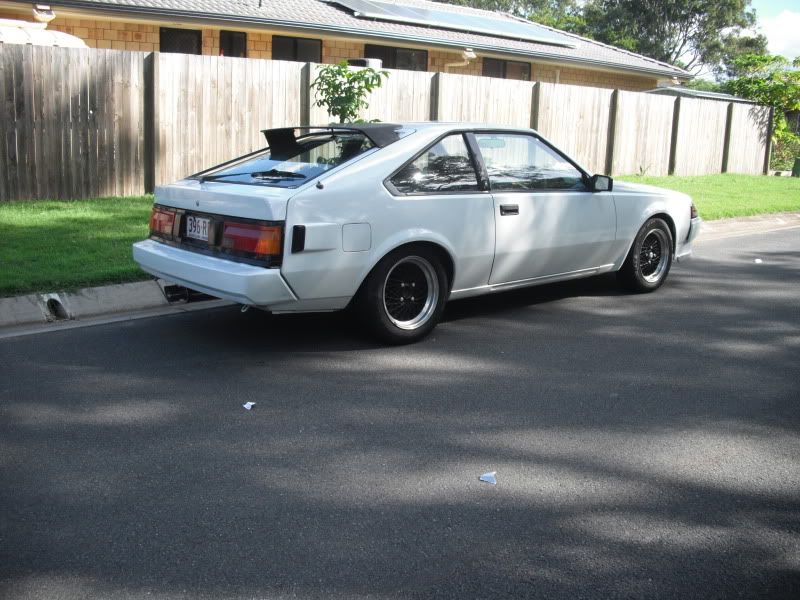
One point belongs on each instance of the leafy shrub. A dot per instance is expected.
(343, 91)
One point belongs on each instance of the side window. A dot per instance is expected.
(522, 162)
(444, 167)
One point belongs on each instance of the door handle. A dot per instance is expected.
(509, 209)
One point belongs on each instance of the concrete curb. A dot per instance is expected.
(145, 295)
(88, 302)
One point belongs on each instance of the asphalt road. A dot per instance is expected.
(646, 446)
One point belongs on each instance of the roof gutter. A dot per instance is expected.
(358, 33)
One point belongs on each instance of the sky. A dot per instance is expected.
(779, 20)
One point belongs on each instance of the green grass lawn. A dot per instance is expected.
(722, 196)
(51, 246)
(57, 245)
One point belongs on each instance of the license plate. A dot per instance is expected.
(197, 227)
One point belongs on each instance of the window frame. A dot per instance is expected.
(294, 47)
(233, 35)
(198, 33)
(392, 51)
(585, 177)
(477, 166)
(505, 63)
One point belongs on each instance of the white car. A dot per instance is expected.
(395, 219)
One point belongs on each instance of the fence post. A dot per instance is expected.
(726, 144)
(434, 100)
(612, 131)
(673, 144)
(305, 95)
(535, 99)
(150, 128)
(768, 152)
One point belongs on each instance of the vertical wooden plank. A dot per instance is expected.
(86, 167)
(74, 125)
(23, 96)
(62, 127)
(193, 152)
(51, 99)
(91, 125)
(130, 122)
(103, 86)
(227, 133)
(5, 126)
(167, 78)
(39, 185)
(123, 122)
(158, 120)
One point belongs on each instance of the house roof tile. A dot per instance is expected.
(334, 19)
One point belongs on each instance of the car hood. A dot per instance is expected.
(626, 186)
(248, 201)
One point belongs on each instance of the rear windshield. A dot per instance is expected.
(309, 158)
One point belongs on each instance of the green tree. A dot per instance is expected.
(343, 90)
(734, 46)
(687, 33)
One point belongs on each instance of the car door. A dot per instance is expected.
(547, 222)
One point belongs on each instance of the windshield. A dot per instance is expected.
(309, 158)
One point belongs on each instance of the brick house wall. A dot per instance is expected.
(144, 37)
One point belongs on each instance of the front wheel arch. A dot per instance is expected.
(670, 223)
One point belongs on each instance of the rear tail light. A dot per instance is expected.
(261, 240)
(694, 211)
(162, 221)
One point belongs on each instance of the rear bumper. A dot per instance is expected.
(237, 282)
(684, 249)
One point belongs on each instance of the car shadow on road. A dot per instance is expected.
(645, 446)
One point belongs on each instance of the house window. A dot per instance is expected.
(398, 58)
(233, 43)
(182, 41)
(296, 49)
(506, 69)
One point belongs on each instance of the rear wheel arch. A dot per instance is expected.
(443, 254)
(402, 297)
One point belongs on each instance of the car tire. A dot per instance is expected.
(403, 297)
(647, 265)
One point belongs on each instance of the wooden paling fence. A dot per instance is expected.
(87, 123)
(72, 123)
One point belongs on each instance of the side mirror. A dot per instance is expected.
(601, 183)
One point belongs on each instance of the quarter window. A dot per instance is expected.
(523, 162)
(444, 167)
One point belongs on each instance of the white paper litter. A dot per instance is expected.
(249, 405)
(489, 477)
(758, 261)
